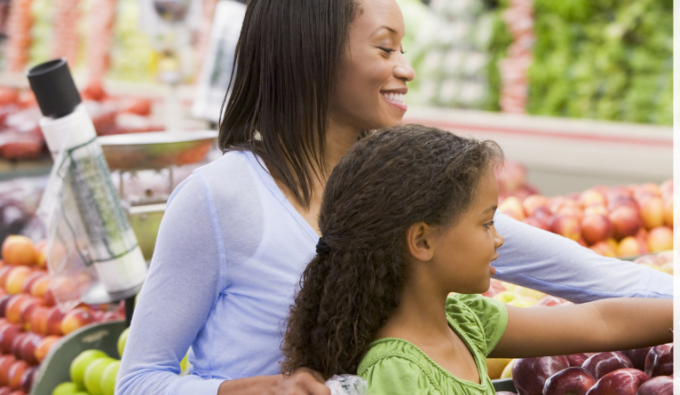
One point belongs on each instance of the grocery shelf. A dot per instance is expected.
(565, 155)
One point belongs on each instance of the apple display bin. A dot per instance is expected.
(55, 368)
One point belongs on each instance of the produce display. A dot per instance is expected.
(94, 372)
(619, 221)
(603, 59)
(30, 323)
(20, 134)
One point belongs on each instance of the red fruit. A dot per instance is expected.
(626, 221)
(619, 382)
(602, 363)
(550, 300)
(578, 359)
(5, 390)
(16, 372)
(75, 319)
(17, 343)
(596, 227)
(570, 381)
(662, 385)
(7, 335)
(31, 279)
(4, 299)
(4, 272)
(28, 348)
(6, 362)
(45, 346)
(637, 356)
(529, 374)
(27, 379)
(566, 226)
(54, 319)
(659, 361)
(660, 239)
(536, 223)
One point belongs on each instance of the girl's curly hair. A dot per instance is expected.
(387, 182)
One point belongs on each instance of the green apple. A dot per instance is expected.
(108, 383)
(122, 340)
(80, 364)
(506, 296)
(94, 373)
(66, 389)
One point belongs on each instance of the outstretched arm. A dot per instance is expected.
(550, 263)
(604, 325)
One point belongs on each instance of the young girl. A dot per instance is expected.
(407, 218)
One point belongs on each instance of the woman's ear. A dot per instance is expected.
(420, 241)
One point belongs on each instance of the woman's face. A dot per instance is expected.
(373, 70)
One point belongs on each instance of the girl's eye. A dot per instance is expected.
(488, 225)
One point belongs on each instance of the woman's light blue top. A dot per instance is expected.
(228, 259)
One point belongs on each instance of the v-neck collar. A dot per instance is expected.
(261, 169)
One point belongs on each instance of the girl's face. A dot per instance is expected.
(373, 71)
(463, 253)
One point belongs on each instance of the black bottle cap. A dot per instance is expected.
(54, 88)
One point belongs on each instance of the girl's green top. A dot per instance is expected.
(395, 366)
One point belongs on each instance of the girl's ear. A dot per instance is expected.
(420, 241)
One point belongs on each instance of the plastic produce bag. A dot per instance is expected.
(347, 384)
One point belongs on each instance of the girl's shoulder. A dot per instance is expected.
(478, 319)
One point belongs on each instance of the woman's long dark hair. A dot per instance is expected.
(386, 183)
(286, 67)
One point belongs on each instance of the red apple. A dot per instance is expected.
(619, 382)
(596, 210)
(591, 197)
(668, 212)
(511, 176)
(38, 321)
(4, 299)
(18, 250)
(570, 211)
(602, 363)
(630, 246)
(621, 201)
(14, 305)
(625, 220)
(16, 371)
(54, 318)
(28, 348)
(570, 381)
(5, 390)
(15, 347)
(31, 279)
(661, 385)
(529, 374)
(27, 379)
(512, 207)
(566, 226)
(16, 279)
(637, 356)
(75, 319)
(578, 359)
(558, 202)
(45, 346)
(596, 227)
(532, 203)
(659, 361)
(4, 272)
(7, 335)
(40, 286)
(652, 211)
(6, 362)
(41, 254)
(660, 239)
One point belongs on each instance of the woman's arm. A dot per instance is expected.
(550, 263)
(604, 325)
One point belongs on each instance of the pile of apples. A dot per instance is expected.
(643, 371)
(30, 322)
(94, 372)
(512, 181)
(620, 221)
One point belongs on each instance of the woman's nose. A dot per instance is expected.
(403, 69)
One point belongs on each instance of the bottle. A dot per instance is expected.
(84, 213)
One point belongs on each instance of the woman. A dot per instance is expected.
(312, 75)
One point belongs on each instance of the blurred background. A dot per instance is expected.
(577, 92)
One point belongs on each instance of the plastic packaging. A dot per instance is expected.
(347, 384)
(88, 233)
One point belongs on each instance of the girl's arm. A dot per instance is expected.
(553, 264)
(604, 325)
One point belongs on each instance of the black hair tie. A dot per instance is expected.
(322, 248)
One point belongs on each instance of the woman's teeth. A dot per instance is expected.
(395, 97)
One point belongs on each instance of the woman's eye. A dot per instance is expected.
(387, 50)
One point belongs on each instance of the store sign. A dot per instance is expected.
(219, 60)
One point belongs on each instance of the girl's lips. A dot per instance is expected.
(398, 103)
(492, 270)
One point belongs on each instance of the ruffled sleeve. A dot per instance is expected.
(483, 320)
